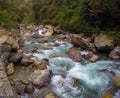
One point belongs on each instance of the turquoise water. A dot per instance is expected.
(92, 83)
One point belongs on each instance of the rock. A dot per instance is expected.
(76, 82)
(40, 77)
(45, 62)
(40, 66)
(20, 87)
(29, 88)
(10, 68)
(15, 57)
(91, 57)
(48, 26)
(107, 96)
(115, 53)
(50, 95)
(74, 54)
(83, 42)
(36, 35)
(103, 41)
(49, 32)
(5, 87)
(116, 80)
(3, 39)
(26, 61)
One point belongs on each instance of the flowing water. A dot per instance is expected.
(91, 82)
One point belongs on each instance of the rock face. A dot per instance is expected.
(40, 77)
(103, 41)
(74, 54)
(115, 53)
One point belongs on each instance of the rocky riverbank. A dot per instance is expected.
(23, 77)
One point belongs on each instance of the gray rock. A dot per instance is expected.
(115, 53)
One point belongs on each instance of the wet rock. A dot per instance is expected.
(26, 61)
(74, 54)
(50, 95)
(29, 88)
(40, 66)
(10, 68)
(36, 35)
(76, 82)
(45, 62)
(40, 77)
(91, 57)
(20, 87)
(103, 41)
(115, 53)
(15, 57)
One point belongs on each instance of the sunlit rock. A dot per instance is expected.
(40, 77)
(103, 42)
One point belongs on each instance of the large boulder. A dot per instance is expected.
(103, 42)
(83, 42)
(74, 54)
(115, 53)
(40, 77)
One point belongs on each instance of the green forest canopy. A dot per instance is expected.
(72, 15)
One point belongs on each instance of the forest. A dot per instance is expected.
(76, 16)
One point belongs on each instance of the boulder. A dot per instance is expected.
(40, 77)
(49, 32)
(26, 61)
(116, 80)
(74, 54)
(103, 42)
(3, 39)
(15, 57)
(40, 66)
(91, 57)
(115, 53)
(10, 68)
(19, 87)
(50, 95)
(83, 42)
(29, 88)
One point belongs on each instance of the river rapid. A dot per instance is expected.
(91, 83)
